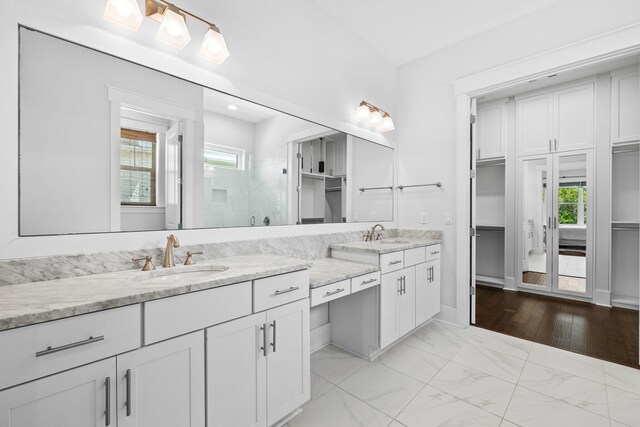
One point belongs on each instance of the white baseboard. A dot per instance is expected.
(495, 282)
(602, 298)
(623, 301)
(320, 337)
(448, 314)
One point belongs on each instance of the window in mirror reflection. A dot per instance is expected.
(138, 161)
(224, 157)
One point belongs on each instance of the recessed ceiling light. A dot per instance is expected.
(232, 107)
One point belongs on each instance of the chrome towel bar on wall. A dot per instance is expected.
(363, 189)
(435, 184)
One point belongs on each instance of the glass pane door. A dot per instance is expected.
(534, 213)
(572, 223)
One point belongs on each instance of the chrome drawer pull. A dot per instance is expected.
(366, 282)
(291, 289)
(50, 350)
(337, 291)
(395, 262)
(435, 252)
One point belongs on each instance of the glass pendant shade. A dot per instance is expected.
(376, 117)
(173, 29)
(214, 47)
(125, 13)
(362, 113)
(387, 123)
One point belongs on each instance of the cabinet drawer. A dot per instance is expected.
(365, 281)
(391, 262)
(330, 292)
(173, 316)
(433, 252)
(35, 351)
(277, 290)
(414, 256)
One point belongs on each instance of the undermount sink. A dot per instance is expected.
(179, 273)
(393, 242)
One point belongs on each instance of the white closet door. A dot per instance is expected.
(535, 124)
(81, 397)
(492, 130)
(574, 118)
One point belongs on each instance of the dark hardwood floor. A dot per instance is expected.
(606, 333)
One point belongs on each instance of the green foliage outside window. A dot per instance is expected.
(568, 204)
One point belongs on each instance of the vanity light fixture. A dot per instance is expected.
(173, 25)
(125, 13)
(375, 116)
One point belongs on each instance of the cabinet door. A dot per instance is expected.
(407, 302)
(492, 130)
(390, 290)
(236, 373)
(163, 384)
(625, 107)
(535, 124)
(574, 118)
(423, 276)
(433, 289)
(80, 397)
(288, 360)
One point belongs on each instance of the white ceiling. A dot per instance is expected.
(403, 31)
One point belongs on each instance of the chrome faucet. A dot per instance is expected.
(172, 242)
(372, 234)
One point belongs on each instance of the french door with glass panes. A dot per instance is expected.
(555, 219)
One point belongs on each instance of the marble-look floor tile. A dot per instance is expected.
(624, 406)
(412, 361)
(381, 387)
(622, 377)
(319, 385)
(338, 408)
(439, 338)
(432, 407)
(528, 408)
(573, 363)
(485, 391)
(569, 388)
(500, 342)
(506, 423)
(334, 364)
(491, 362)
(396, 423)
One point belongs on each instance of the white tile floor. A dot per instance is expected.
(444, 375)
(574, 266)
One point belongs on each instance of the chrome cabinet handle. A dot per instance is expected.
(273, 344)
(550, 149)
(399, 285)
(555, 142)
(50, 350)
(337, 291)
(291, 289)
(127, 402)
(263, 328)
(395, 262)
(107, 410)
(403, 282)
(366, 282)
(435, 252)
(555, 222)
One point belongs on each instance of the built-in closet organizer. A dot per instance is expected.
(625, 188)
(491, 154)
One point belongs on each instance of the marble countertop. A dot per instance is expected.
(384, 246)
(30, 303)
(325, 271)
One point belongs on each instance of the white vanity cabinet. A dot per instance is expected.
(427, 290)
(556, 121)
(397, 305)
(258, 367)
(80, 397)
(162, 385)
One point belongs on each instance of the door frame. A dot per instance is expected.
(588, 52)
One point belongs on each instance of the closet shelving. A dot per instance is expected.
(625, 187)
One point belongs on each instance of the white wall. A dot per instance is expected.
(288, 55)
(427, 105)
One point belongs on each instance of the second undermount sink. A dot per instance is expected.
(177, 274)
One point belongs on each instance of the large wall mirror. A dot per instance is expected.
(107, 145)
